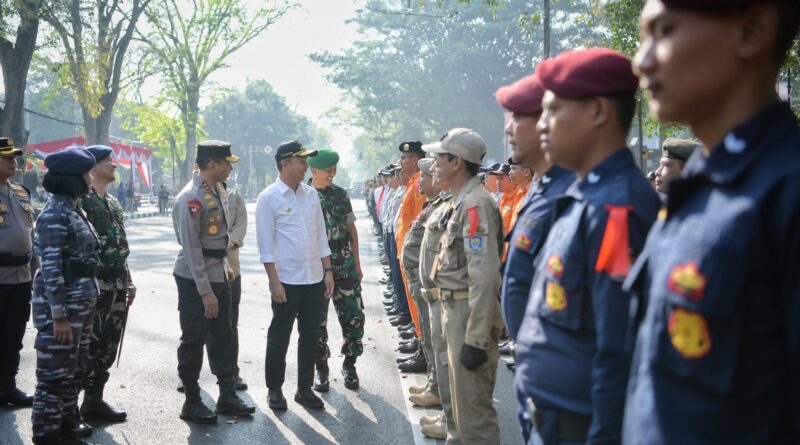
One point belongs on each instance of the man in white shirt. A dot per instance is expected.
(293, 245)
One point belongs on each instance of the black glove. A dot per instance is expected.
(472, 357)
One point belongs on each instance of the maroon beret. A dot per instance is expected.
(588, 73)
(709, 5)
(523, 96)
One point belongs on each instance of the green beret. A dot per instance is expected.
(680, 149)
(325, 158)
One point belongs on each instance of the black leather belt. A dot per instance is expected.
(112, 274)
(215, 253)
(570, 427)
(8, 260)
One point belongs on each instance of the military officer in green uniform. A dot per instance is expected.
(466, 273)
(114, 281)
(343, 241)
(200, 219)
(17, 265)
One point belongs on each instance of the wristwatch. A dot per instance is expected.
(327, 269)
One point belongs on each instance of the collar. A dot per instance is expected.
(64, 199)
(615, 162)
(553, 174)
(740, 148)
(283, 188)
(468, 186)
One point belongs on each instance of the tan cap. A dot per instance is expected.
(462, 142)
(425, 165)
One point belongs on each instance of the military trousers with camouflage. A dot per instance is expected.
(109, 318)
(350, 311)
(58, 376)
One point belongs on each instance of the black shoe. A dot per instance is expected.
(416, 365)
(505, 348)
(406, 358)
(393, 312)
(407, 328)
(50, 439)
(384, 281)
(307, 398)
(95, 409)
(197, 412)
(407, 335)
(81, 428)
(15, 397)
(180, 388)
(401, 320)
(276, 400)
(350, 376)
(512, 366)
(229, 403)
(239, 384)
(321, 383)
(407, 348)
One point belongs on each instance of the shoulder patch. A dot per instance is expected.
(194, 207)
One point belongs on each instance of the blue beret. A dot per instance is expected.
(325, 158)
(70, 161)
(100, 152)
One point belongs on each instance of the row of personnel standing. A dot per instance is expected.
(638, 317)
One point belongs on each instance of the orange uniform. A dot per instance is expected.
(412, 204)
(520, 198)
(506, 206)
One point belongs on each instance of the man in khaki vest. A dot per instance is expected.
(466, 272)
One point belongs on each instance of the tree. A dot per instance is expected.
(55, 112)
(94, 54)
(15, 59)
(189, 45)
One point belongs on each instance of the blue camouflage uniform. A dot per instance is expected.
(524, 241)
(717, 356)
(64, 287)
(572, 356)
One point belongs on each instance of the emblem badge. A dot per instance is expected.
(688, 332)
(556, 297)
(288, 210)
(194, 207)
(686, 279)
(522, 241)
(213, 229)
(475, 244)
(555, 266)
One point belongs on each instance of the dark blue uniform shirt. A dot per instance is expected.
(526, 238)
(572, 353)
(717, 353)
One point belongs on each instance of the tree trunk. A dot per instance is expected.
(190, 121)
(97, 128)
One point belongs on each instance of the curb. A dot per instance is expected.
(140, 215)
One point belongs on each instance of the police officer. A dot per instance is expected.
(343, 241)
(427, 395)
(717, 356)
(64, 296)
(117, 291)
(572, 356)
(466, 274)
(237, 212)
(674, 154)
(17, 263)
(200, 219)
(523, 99)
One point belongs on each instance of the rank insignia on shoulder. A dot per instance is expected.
(213, 229)
(555, 266)
(522, 241)
(194, 207)
(3, 208)
(207, 196)
(687, 280)
(555, 297)
(475, 244)
(212, 203)
(688, 332)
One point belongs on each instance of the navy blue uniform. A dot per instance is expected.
(526, 238)
(572, 354)
(717, 356)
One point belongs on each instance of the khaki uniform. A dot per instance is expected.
(466, 273)
(17, 262)
(434, 229)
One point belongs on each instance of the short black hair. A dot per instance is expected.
(472, 168)
(625, 104)
(202, 163)
(72, 186)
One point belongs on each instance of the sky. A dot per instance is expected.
(280, 56)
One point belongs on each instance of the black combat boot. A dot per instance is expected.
(95, 409)
(11, 395)
(70, 426)
(193, 408)
(50, 439)
(321, 382)
(238, 382)
(349, 373)
(80, 428)
(229, 403)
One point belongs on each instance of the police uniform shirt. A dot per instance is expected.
(525, 240)
(16, 227)
(572, 353)
(200, 220)
(717, 356)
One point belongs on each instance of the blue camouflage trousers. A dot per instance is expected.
(58, 376)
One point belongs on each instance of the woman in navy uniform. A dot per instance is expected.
(64, 295)
(717, 356)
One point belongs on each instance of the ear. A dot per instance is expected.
(757, 30)
(602, 111)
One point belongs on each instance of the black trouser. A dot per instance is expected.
(15, 311)
(198, 331)
(236, 298)
(305, 302)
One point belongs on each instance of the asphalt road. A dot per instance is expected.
(144, 383)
